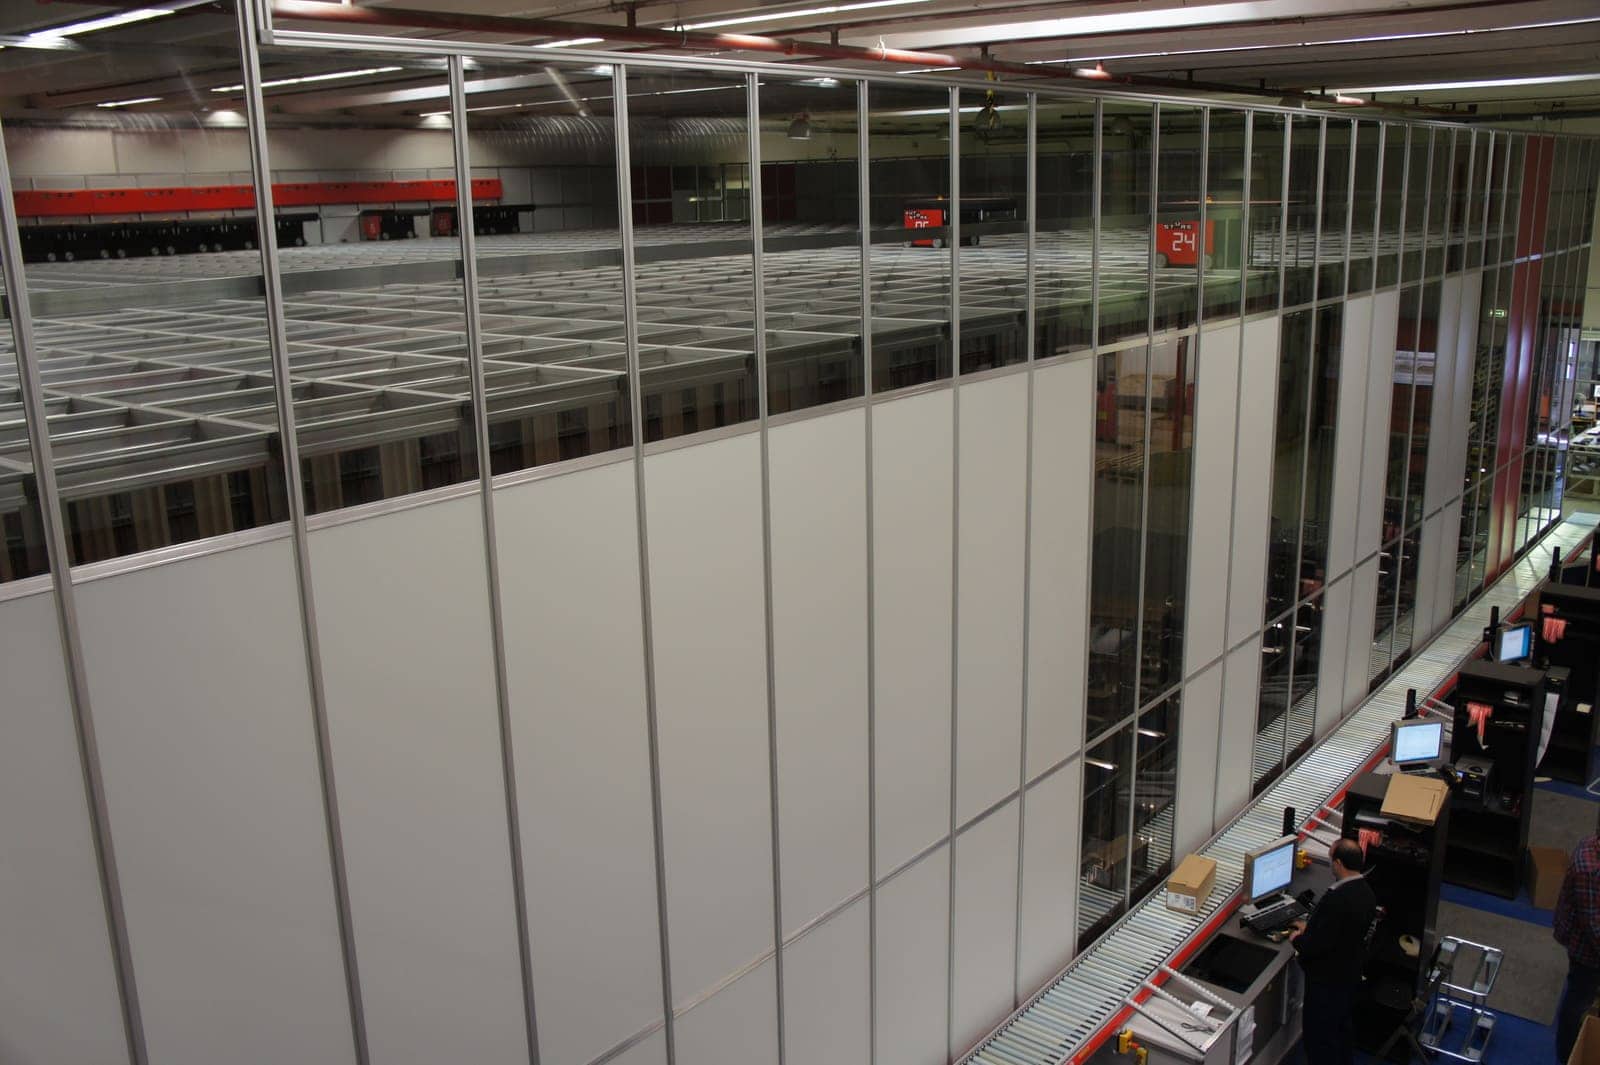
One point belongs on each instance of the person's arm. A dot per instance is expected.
(1320, 936)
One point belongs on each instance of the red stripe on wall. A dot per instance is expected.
(60, 203)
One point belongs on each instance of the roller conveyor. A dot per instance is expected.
(1061, 1022)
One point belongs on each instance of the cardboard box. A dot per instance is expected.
(1586, 1051)
(1413, 798)
(1546, 868)
(1189, 886)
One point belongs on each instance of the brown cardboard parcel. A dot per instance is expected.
(1546, 867)
(1190, 883)
(1412, 798)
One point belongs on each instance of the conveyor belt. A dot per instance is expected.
(1062, 1022)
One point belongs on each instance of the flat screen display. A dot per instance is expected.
(1421, 741)
(1271, 870)
(1516, 644)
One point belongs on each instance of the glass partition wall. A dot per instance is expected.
(844, 238)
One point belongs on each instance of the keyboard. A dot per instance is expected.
(1275, 918)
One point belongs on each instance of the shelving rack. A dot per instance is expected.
(1488, 841)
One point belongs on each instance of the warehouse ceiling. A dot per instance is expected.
(1497, 60)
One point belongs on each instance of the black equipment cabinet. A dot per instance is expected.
(1405, 869)
(1573, 733)
(1491, 808)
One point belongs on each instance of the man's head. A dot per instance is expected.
(1346, 858)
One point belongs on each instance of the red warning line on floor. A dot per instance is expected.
(58, 203)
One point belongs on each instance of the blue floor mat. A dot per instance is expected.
(1516, 1041)
(1521, 907)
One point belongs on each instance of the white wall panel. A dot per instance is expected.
(819, 617)
(1444, 562)
(1240, 695)
(1058, 572)
(1380, 395)
(1358, 653)
(709, 617)
(985, 925)
(1333, 656)
(1350, 434)
(1051, 827)
(1211, 524)
(1197, 759)
(1429, 550)
(651, 1050)
(912, 504)
(994, 450)
(1252, 497)
(913, 963)
(1443, 476)
(736, 1026)
(569, 585)
(1466, 353)
(58, 988)
(403, 620)
(826, 992)
(215, 807)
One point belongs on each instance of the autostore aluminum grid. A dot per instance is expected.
(159, 368)
(1060, 1021)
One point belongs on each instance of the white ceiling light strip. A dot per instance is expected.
(337, 75)
(1486, 83)
(805, 12)
(126, 103)
(105, 22)
(1379, 38)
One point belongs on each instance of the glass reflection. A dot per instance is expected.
(1169, 483)
(1325, 362)
(1122, 380)
(1300, 238)
(1365, 218)
(1177, 226)
(550, 267)
(1127, 131)
(1333, 237)
(1104, 862)
(1064, 232)
(22, 544)
(689, 147)
(909, 157)
(1226, 157)
(1419, 153)
(1301, 722)
(391, 348)
(993, 134)
(811, 241)
(1265, 256)
(159, 392)
(1277, 658)
(1391, 202)
(1155, 786)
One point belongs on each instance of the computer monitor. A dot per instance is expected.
(1416, 742)
(1515, 644)
(1268, 871)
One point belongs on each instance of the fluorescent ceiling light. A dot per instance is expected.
(1371, 39)
(105, 22)
(922, 112)
(125, 103)
(336, 75)
(927, 70)
(593, 99)
(1486, 83)
(575, 42)
(805, 12)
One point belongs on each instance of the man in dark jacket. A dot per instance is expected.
(1332, 947)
